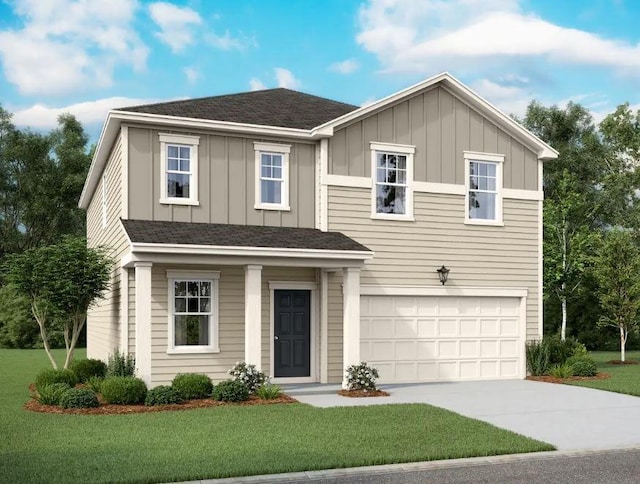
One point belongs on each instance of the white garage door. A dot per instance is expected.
(428, 338)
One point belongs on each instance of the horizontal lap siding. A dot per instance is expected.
(231, 322)
(103, 319)
(408, 253)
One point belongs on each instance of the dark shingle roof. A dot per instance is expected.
(158, 232)
(271, 107)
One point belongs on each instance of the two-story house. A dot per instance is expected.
(304, 235)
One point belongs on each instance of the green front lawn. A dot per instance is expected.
(624, 378)
(224, 441)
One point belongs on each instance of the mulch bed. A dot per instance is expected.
(363, 393)
(107, 409)
(620, 362)
(552, 379)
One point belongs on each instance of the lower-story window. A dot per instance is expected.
(193, 308)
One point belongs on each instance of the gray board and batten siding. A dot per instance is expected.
(441, 127)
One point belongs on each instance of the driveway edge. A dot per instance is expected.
(411, 466)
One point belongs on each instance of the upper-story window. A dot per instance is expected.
(179, 169)
(483, 173)
(392, 174)
(272, 176)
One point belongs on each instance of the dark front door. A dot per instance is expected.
(292, 333)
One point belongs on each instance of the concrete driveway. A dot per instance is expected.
(567, 417)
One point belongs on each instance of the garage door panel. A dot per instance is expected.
(405, 328)
(447, 327)
(427, 350)
(447, 348)
(489, 348)
(509, 327)
(442, 338)
(427, 328)
(468, 369)
(469, 328)
(469, 348)
(381, 328)
(407, 350)
(489, 327)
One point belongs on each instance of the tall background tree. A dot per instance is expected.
(41, 178)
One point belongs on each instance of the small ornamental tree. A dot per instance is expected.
(61, 282)
(616, 269)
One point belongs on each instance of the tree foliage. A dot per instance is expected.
(616, 269)
(60, 281)
(41, 178)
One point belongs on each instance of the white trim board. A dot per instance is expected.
(458, 291)
(152, 248)
(429, 187)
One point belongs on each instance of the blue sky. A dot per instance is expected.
(88, 56)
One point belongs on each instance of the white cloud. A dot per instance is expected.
(65, 46)
(431, 35)
(285, 78)
(191, 74)
(256, 84)
(228, 42)
(177, 24)
(347, 66)
(511, 99)
(41, 116)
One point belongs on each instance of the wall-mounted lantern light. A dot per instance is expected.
(443, 273)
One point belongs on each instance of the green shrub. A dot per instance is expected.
(120, 364)
(79, 398)
(361, 377)
(560, 351)
(561, 371)
(95, 383)
(582, 366)
(230, 391)
(269, 391)
(538, 358)
(51, 394)
(88, 367)
(47, 377)
(162, 395)
(192, 385)
(249, 376)
(123, 390)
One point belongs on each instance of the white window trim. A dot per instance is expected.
(498, 159)
(214, 343)
(104, 201)
(409, 152)
(274, 149)
(179, 139)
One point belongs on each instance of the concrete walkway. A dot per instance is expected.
(567, 417)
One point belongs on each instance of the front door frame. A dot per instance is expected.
(314, 335)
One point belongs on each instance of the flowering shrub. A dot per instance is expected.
(361, 377)
(249, 376)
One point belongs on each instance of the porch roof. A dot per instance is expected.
(229, 235)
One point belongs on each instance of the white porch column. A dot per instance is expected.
(143, 320)
(324, 326)
(253, 315)
(350, 317)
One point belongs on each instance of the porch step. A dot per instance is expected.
(293, 389)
